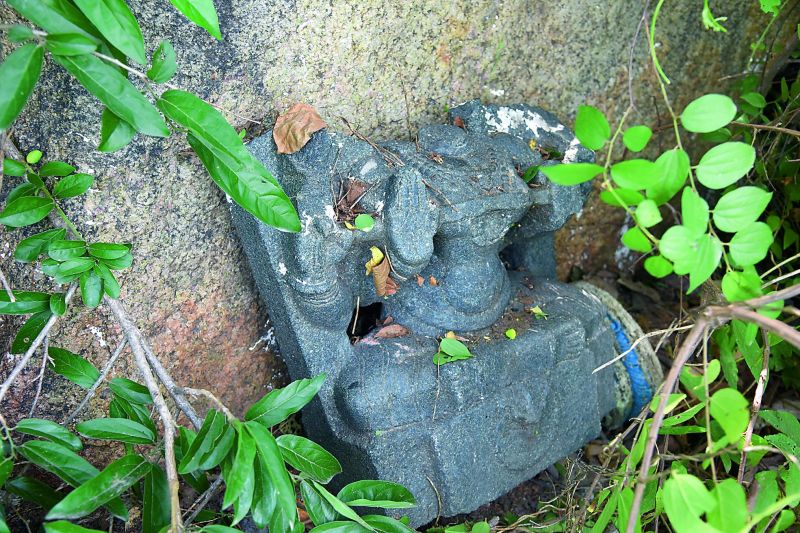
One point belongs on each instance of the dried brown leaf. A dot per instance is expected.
(293, 129)
(420, 280)
(392, 332)
(380, 276)
(433, 281)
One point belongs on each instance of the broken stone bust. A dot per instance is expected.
(470, 246)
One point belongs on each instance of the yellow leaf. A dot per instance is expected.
(377, 258)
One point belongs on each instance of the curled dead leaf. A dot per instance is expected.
(459, 123)
(380, 276)
(433, 281)
(392, 331)
(294, 128)
(420, 280)
(377, 258)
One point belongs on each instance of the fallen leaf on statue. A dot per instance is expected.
(459, 123)
(420, 280)
(434, 282)
(392, 332)
(380, 275)
(294, 128)
(377, 258)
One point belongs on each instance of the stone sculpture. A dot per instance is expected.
(470, 245)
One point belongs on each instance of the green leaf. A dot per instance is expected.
(91, 288)
(739, 286)
(202, 443)
(591, 127)
(635, 173)
(657, 266)
(732, 411)
(70, 44)
(58, 460)
(530, 173)
(751, 244)
(387, 524)
(115, 479)
(33, 491)
(130, 391)
(740, 208)
(117, 24)
(673, 169)
(56, 168)
(284, 518)
(264, 494)
(725, 164)
(6, 466)
(29, 250)
(110, 283)
(755, 99)
(118, 429)
(637, 137)
(219, 448)
(481, 527)
(454, 348)
(276, 406)
(62, 526)
(232, 167)
(685, 500)
(636, 240)
(708, 113)
(64, 250)
(107, 250)
(340, 507)
(20, 71)
(13, 168)
(164, 63)
(25, 211)
(364, 222)
(116, 92)
(372, 493)
(119, 264)
(72, 269)
(155, 501)
(309, 458)
(73, 367)
(317, 507)
(19, 33)
(730, 511)
(676, 245)
(73, 185)
(49, 430)
(694, 211)
(115, 133)
(341, 526)
(202, 13)
(23, 189)
(708, 252)
(236, 480)
(33, 157)
(54, 16)
(627, 197)
(29, 331)
(572, 173)
(27, 302)
(784, 422)
(647, 213)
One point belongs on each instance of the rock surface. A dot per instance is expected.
(385, 66)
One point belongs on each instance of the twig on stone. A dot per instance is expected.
(759, 394)
(140, 359)
(440, 193)
(32, 349)
(202, 501)
(106, 369)
(390, 157)
(209, 395)
(6, 286)
(665, 332)
(40, 379)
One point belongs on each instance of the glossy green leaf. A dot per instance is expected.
(708, 113)
(740, 208)
(673, 169)
(33, 157)
(229, 163)
(647, 213)
(155, 500)
(636, 240)
(220, 447)
(677, 245)
(621, 197)
(730, 511)
(738, 286)
(264, 494)
(116, 92)
(751, 244)
(70, 44)
(107, 250)
(114, 480)
(62, 526)
(110, 283)
(56, 168)
(25, 211)
(240, 478)
(454, 348)
(636, 138)
(73, 185)
(340, 507)
(341, 526)
(73, 367)
(29, 331)
(708, 252)
(91, 288)
(23, 189)
(72, 269)
(29, 249)
(54, 16)
(58, 460)
(119, 264)
(694, 211)
(657, 266)
(115, 133)
(117, 429)
(202, 13)
(755, 99)
(732, 411)
(572, 173)
(130, 391)
(277, 405)
(13, 168)
(164, 63)
(6, 466)
(20, 71)
(19, 33)
(591, 127)
(725, 164)
(284, 518)
(309, 458)
(635, 174)
(317, 507)
(373, 493)
(64, 250)
(49, 430)
(27, 302)
(784, 422)
(34, 491)
(685, 500)
(201, 445)
(117, 24)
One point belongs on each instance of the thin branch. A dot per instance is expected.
(6, 286)
(40, 379)
(98, 381)
(781, 278)
(209, 395)
(762, 384)
(202, 501)
(34, 345)
(777, 129)
(135, 340)
(665, 332)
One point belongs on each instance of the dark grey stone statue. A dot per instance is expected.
(471, 250)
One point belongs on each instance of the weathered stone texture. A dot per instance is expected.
(387, 67)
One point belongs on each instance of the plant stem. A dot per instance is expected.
(762, 384)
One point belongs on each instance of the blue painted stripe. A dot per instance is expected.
(642, 393)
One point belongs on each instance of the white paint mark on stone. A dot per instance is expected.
(330, 212)
(507, 119)
(572, 152)
(497, 92)
(97, 332)
(379, 206)
(369, 166)
(306, 223)
(282, 269)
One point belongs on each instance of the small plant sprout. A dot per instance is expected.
(537, 312)
(511, 333)
(451, 349)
